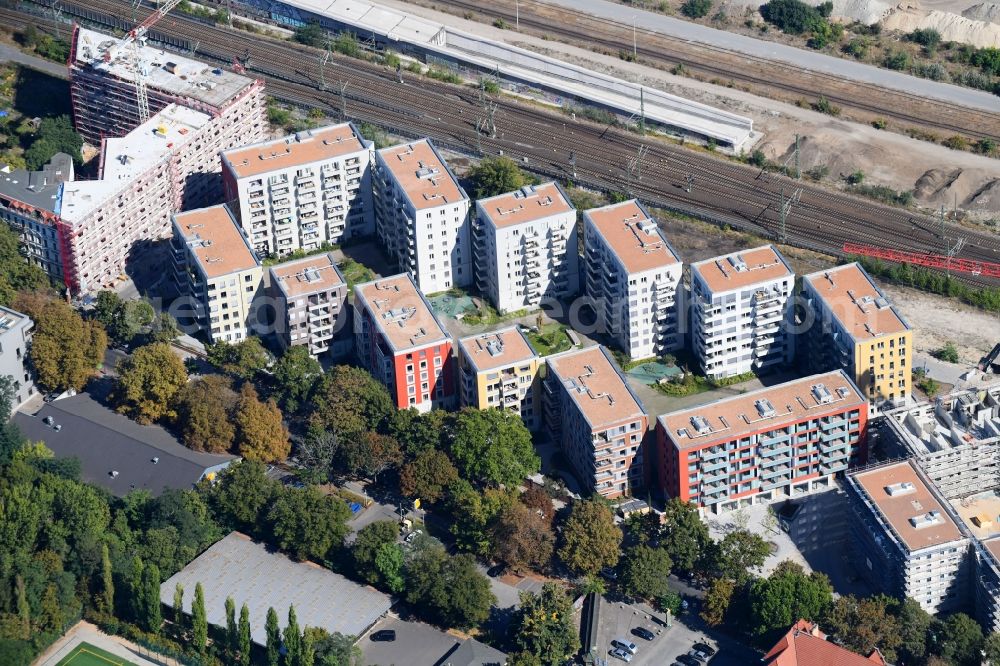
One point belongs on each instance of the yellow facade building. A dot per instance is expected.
(500, 369)
(854, 326)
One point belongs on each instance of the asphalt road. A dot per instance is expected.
(810, 60)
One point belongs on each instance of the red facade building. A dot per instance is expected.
(401, 343)
(771, 443)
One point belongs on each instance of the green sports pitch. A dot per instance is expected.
(86, 654)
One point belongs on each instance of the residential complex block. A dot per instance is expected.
(631, 278)
(217, 271)
(103, 95)
(310, 297)
(29, 203)
(857, 329)
(15, 340)
(401, 343)
(601, 422)
(906, 541)
(774, 442)
(422, 216)
(955, 439)
(741, 312)
(303, 190)
(500, 370)
(525, 247)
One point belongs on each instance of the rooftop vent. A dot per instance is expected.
(926, 520)
(425, 172)
(843, 392)
(700, 424)
(822, 394)
(494, 347)
(156, 460)
(736, 261)
(902, 488)
(881, 303)
(764, 408)
(113, 474)
(312, 275)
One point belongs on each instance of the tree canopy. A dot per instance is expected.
(348, 401)
(147, 382)
(496, 175)
(522, 538)
(16, 274)
(645, 572)
(307, 524)
(293, 378)
(260, 430)
(65, 349)
(427, 476)
(450, 589)
(590, 538)
(203, 414)
(493, 447)
(787, 595)
(243, 359)
(544, 627)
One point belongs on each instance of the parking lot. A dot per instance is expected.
(416, 643)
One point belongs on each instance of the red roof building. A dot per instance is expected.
(806, 645)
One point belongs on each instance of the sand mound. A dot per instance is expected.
(864, 11)
(971, 189)
(953, 27)
(987, 11)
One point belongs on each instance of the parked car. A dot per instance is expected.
(643, 632)
(705, 649)
(412, 535)
(496, 570)
(609, 574)
(698, 656)
(384, 635)
(688, 660)
(624, 644)
(621, 654)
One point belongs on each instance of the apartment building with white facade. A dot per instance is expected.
(310, 297)
(422, 216)
(742, 312)
(525, 247)
(906, 542)
(15, 341)
(217, 272)
(302, 190)
(632, 274)
(598, 421)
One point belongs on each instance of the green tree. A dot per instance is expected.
(147, 383)
(684, 535)
(273, 638)
(645, 572)
(493, 447)
(292, 639)
(522, 538)
(307, 524)
(420, 432)
(368, 454)
(473, 514)
(232, 630)
(294, 377)
(203, 411)
(335, 649)
(245, 644)
(863, 624)
(544, 627)
(785, 596)
(311, 34)
(496, 175)
(65, 349)
(914, 625)
(243, 359)
(449, 590)
(791, 16)
(696, 9)
(152, 618)
(23, 609)
(133, 582)
(389, 565)
(738, 554)
(179, 610)
(991, 646)
(427, 476)
(242, 495)
(199, 620)
(349, 401)
(961, 640)
(590, 538)
(107, 601)
(260, 429)
(948, 353)
(123, 320)
(308, 656)
(717, 600)
(54, 135)
(164, 329)
(367, 545)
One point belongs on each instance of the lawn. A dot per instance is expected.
(86, 654)
(550, 339)
(355, 272)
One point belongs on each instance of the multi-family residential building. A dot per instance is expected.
(500, 370)
(987, 586)
(857, 329)
(525, 247)
(422, 216)
(102, 91)
(906, 542)
(601, 423)
(310, 296)
(742, 313)
(29, 203)
(401, 343)
(217, 271)
(955, 439)
(759, 446)
(805, 645)
(303, 190)
(15, 340)
(632, 276)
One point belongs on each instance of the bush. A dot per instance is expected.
(792, 16)
(956, 142)
(347, 44)
(696, 9)
(880, 123)
(757, 158)
(857, 47)
(897, 60)
(986, 146)
(856, 178)
(928, 38)
(311, 34)
(948, 353)
(823, 105)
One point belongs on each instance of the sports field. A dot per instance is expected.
(86, 654)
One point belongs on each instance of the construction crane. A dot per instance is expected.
(130, 45)
(947, 262)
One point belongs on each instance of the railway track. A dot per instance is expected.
(596, 33)
(571, 149)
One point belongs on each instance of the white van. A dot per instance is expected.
(628, 646)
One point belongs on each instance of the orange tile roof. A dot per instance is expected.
(596, 386)
(307, 276)
(400, 311)
(305, 147)
(764, 264)
(898, 509)
(215, 239)
(633, 235)
(806, 645)
(530, 203)
(422, 174)
(497, 349)
(856, 302)
(740, 415)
